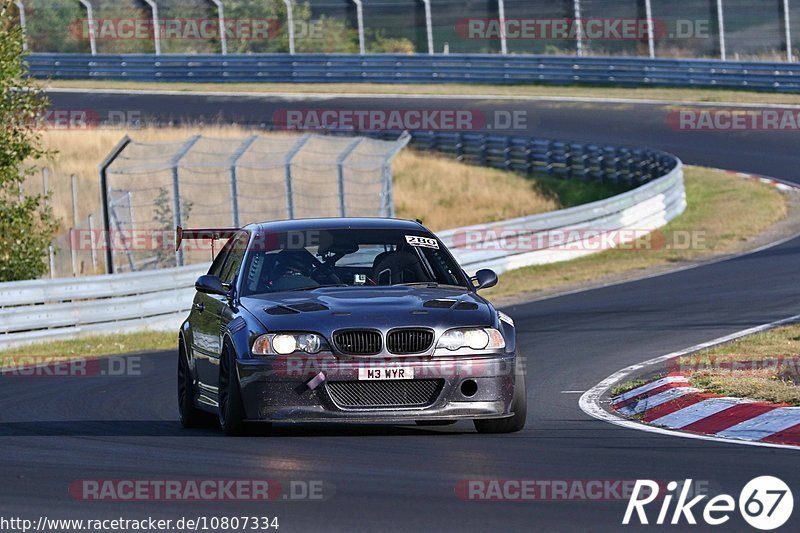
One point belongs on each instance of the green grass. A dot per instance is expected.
(644, 93)
(92, 347)
(763, 367)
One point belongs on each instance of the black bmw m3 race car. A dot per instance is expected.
(345, 320)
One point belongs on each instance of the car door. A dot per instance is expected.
(218, 312)
(205, 329)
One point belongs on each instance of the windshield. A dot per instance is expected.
(307, 260)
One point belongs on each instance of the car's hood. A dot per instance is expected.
(329, 309)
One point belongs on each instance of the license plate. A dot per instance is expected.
(385, 373)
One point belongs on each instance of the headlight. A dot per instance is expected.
(288, 343)
(472, 338)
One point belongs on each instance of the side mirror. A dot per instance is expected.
(210, 285)
(484, 279)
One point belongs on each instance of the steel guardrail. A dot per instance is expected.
(420, 68)
(39, 310)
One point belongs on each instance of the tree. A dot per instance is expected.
(26, 225)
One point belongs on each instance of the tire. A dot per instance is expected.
(513, 423)
(231, 409)
(190, 415)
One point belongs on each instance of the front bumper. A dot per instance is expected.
(277, 389)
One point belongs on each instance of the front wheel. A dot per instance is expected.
(513, 423)
(190, 415)
(231, 409)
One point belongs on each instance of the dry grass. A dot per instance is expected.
(425, 185)
(723, 210)
(646, 93)
(763, 367)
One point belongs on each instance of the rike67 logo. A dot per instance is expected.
(765, 503)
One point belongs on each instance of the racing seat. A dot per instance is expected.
(398, 267)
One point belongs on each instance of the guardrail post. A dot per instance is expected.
(104, 198)
(787, 28)
(288, 164)
(290, 23)
(177, 218)
(360, 21)
(156, 27)
(23, 23)
(223, 37)
(721, 24)
(651, 42)
(501, 9)
(234, 161)
(578, 27)
(92, 26)
(340, 173)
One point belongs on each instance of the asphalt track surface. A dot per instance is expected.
(57, 430)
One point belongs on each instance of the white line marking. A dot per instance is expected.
(698, 411)
(326, 96)
(590, 401)
(572, 391)
(648, 387)
(764, 425)
(649, 402)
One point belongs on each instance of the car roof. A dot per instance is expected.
(305, 224)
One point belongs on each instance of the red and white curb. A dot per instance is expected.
(778, 184)
(670, 406)
(670, 402)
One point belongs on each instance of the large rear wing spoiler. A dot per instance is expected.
(212, 234)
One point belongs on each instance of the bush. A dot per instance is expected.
(26, 224)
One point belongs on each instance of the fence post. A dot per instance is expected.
(340, 173)
(360, 21)
(223, 37)
(234, 161)
(23, 23)
(92, 30)
(51, 256)
(72, 251)
(176, 190)
(651, 42)
(429, 25)
(501, 11)
(156, 27)
(388, 188)
(45, 185)
(104, 198)
(94, 240)
(578, 27)
(787, 27)
(288, 166)
(290, 22)
(721, 24)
